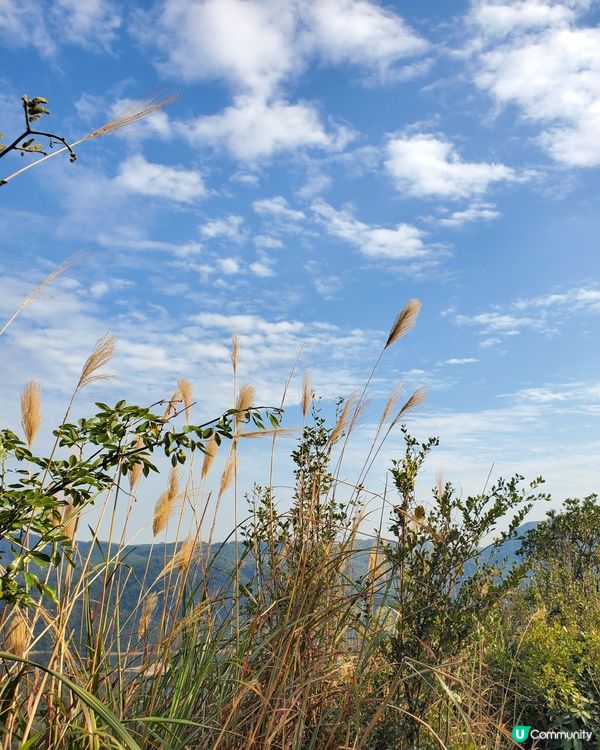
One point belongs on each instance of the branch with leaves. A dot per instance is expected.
(34, 109)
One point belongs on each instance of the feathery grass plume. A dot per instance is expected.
(184, 556)
(440, 488)
(389, 406)
(185, 389)
(235, 351)
(102, 354)
(60, 269)
(31, 410)
(136, 471)
(268, 433)
(138, 110)
(18, 635)
(147, 612)
(228, 473)
(209, 456)
(406, 319)
(342, 421)
(171, 407)
(166, 503)
(415, 400)
(70, 518)
(307, 394)
(244, 402)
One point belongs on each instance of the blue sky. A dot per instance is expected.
(327, 160)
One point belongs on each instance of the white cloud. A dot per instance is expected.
(85, 23)
(254, 128)
(265, 242)
(256, 45)
(88, 23)
(577, 298)
(502, 18)
(461, 361)
(136, 175)
(546, 312)
(22, 24)
(425, 166)
(228, 227)
(278, 207)
(360, 32)
(497, 322)
(403, 242)
(475, 212)
(262, 268)
(229, 265)
(549, 67)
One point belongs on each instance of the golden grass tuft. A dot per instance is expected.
(389, 407)
(18, 636)
(228, 472)
(70, 518)
(147, 612)
(307, 394)
(209, 456)
(184, 556)
(413, 402)
(343, 421)
(440, 484)
(185, 389)
(166, 504)
(244, 402)
(31, 410)
(136, 472)
(102, 354)
(406, 319)
(235, 352)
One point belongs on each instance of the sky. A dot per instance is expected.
(325, 162)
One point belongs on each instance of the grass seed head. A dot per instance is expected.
(406, 319)
(31, 410)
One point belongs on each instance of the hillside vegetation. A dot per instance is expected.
(308, 630)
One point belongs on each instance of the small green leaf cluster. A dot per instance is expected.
(35, 489)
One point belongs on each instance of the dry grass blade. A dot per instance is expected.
(147, 612)
(31, 410)
(185, 389)
(307, 394)
(138, 110)
(102, 354)
(406, 319)
(60, 269)
(211, 448)
(244, 402)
